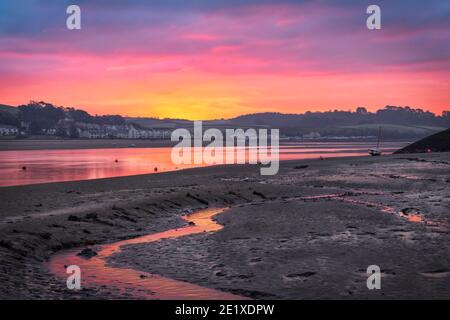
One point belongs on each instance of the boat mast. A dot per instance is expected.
(379, 137)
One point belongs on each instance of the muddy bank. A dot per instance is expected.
(40, 220)
(317, 250)
(279, 247)
(394, 214)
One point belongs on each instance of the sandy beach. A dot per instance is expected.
(309, 232)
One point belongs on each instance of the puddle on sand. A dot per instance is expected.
(439, 274)
(95, 273)
(412, 217)
(415, 217)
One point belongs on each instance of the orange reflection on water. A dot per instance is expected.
(44, 166)
(95, 272)
(414, 217)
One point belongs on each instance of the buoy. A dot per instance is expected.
(24, 168)
(156, 169)
(116, 161)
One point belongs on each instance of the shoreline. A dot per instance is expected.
(57, 216)
(41, 163)
(70, 144)
(113, 179)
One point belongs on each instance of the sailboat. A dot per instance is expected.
(376, 151)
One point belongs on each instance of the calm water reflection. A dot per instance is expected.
(66, 165)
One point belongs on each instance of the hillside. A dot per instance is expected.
(10, 109)
(393, 130)
(396, 122)
(439, 142)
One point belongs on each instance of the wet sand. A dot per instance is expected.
(309, 232)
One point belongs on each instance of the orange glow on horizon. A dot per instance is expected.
(199, 96)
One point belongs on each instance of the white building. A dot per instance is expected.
(96, 131)
(7, 130)
(312, 135)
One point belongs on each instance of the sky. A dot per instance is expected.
(211, 59)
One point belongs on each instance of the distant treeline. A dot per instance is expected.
(39, 116)
(388, 115)
(347, 123)
(9, 118)
(397, 122)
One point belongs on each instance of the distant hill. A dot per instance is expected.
(439, 142)
(10, 109)
(156, 123)
(396, 123)
(9, 115)
(391, 130)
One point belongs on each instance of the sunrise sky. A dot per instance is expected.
(209, 59)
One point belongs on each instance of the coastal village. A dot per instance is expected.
(91, 131)
(46, 120)
(8, 130)
(126, 131)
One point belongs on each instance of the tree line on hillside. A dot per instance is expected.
(358, 123)
(9, 119)
(388, 115)
(41, 116)
(38, 117)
